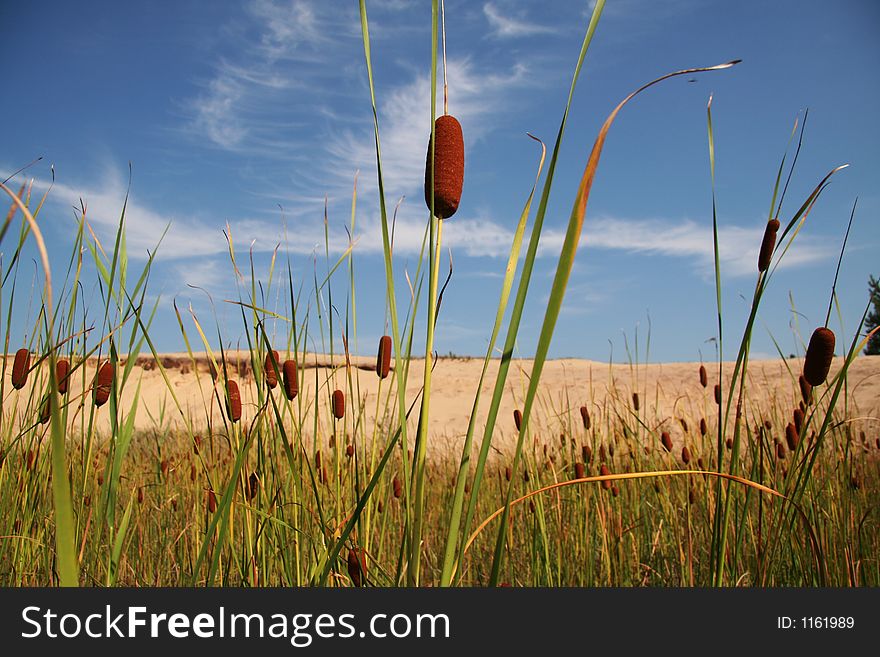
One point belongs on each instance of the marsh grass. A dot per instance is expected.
(314, 483)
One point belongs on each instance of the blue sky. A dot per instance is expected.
(229, 112)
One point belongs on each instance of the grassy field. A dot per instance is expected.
(317, 483)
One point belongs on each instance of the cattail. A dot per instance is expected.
(792, 436)
(729, 443)
(611, 450)
(602, 458)
(192, 472)
(704, 428)
(767, 245)
(163, 467)
(383, 358)
(704, 376)
(397, 487)
(700, 463)
(103, 383)
(349, 450)
(615, 491)
(819, 354)
(87, 501)
(233, 401)
(636, 401)
(604, 471)
(211, 501)
(338, 404)
(685, 455)
(508, 473)
(357, 566)
(878, 443)
(31, 457)
(140, 495)
(578, 470)
(269, 367)
(525, 475)
(197, 443)
(100, 479)
(291, 383)
(666, 439)
(798, 419)
(174, 504)
(46, 411)
(806, 389)
(585, 417)
(692, 496)
(62, 369)
(448, 170)
(517, 419)
(253, 486)
(718, 394)
(380, 507)
(331, 441)
(586, 453)
(768, 425)
(20, 367)
(684, 424)
(780, 451)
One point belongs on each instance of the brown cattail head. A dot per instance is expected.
(517, 419)
(197, 443)
(46, 410)
(211, 501)
(357, 566)
(192, 472)
(767, 244)
(508, 473)
(140, 495)
(798, 419)
(685, 455)
(269, 368)
(233, 401)
(20, 367)
(380, 506)
(578, 470)
(338, 404)
(602, 457)
(684, 424)
(819, 354)
(383, 358)
(605, 471)
(586, 453)
(729, 443)
(585, 417)
(636, 401)
(163, 467)
(806, 389)
(704, 377)
(349, 450)
(291, 383)
(692, 496)
(62, 369)
(103, 383)
(397, 487)
(704, 428)
(780, 451)
(615, 491)
(666, 439)
(253, 486)
(792, 436)
(448, 167)
(718, 394)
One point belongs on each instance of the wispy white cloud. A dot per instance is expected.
(505, 24)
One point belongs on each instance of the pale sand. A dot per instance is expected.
(667, 392)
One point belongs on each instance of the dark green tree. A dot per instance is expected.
(873, 319)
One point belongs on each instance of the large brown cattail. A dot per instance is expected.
(684, 424)
(615, 491)
(806, 389)
(357, 566)
(349, 450)
(578, 470)
(602, 457)
(780, 451)
(605, 471)
(508, 473)
(767, 244)
(291, 383)
(211, 501)
(718, 394)
(792, 437)
(253, 486)
(46, 410)
(62, 369)
(585, 417)
(586, 453)
(685, 455)
(819, 354)
(103, 383)
(20, 367)
(636, 401)
(729, 443)
(666, 439)
(517, 419)
(383, 358)
(140, 495)
(396, 486)
(233, 401)
(704, 428)
(338, 404)
(448, 167)
(269, 367)
(704, 377)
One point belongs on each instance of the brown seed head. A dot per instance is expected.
(729, 443)
(798, 419)
(586, 453)
(211, 501)
(718, 394)
(233, 401)
(397, 487)
(684, 424)
(767, 244)
(349, 450)
(806, 389)
(517, 419)
(666, 440)
(780, 451)
(20, 367)
(585, 417)
(636, 401)
(508, 473)
(578, 470)
(140, 495)
(103, 383)
(704, 428)
(269, 368)
(792, 436)
(819, 354)
(291, 383)
(253, 486)
(448, 167)
(704, 377)
(357, 566)
(605, 471)
(62, 369)
(383, 358)
(338, 404)
(615, 491)
(685, 455)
